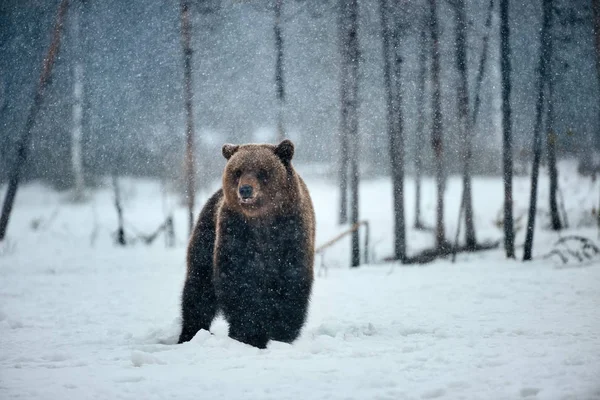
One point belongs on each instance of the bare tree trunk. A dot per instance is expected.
(397, 144)
(420, 127)
(120, 229)
(464, 120)
(437, 129)
(387, 65)
(353, 52)
(537, 134)
(343, 169)
(509, 234)
(23, 143)
(482, 63)
(344, 159)
(77, 132)
(279, 71)
(596, 13)
(472, 244)
(551, 138)
(186, 41)
(350, 59)
(393, 88)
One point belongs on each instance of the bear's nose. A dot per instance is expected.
(246, 191)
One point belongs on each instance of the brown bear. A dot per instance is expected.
(252, 250)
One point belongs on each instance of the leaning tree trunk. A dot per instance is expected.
(77, 131)
(465, 125)
(350, 59)
(186, 41)
(437, 129)
(537, 134)
(507, 159)
(23, 143)
(420, 127)
(482, 63)
(279, 70)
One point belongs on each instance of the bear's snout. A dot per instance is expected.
(246, 191)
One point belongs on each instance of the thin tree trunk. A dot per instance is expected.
(120, 229)
(344, 159)
(77, 132)
(343, 168)
(537, 134)
(482, 63)
(279, 70)
(507, 159)
(596, 13)
(350, 59)
(24, 140)
(437, 129)
(395, 125)
(387, 65)
(186, 41)
(473, 118)
(551, 138)
(397, 144)
(353, 125)
(464, 119)
(420, 127)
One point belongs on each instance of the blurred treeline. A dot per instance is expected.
(132, 56)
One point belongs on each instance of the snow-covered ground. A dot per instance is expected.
(81, 318)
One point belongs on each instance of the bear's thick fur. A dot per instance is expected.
(252, 250)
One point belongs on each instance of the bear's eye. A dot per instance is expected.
(262, 175)
(237, 173)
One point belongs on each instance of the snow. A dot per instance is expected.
(83, 319)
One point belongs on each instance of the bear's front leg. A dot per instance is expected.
(199, 306)
(199, 302)
(288, 307)
(241, 301)
(248, 331)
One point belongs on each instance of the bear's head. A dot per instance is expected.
(259, 179)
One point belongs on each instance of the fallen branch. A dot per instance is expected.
(585, 242)
(166, 226)
(430, 255)
(587, 250)
(339, 237)
(555, 252)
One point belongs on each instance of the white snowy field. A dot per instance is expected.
(83, 320)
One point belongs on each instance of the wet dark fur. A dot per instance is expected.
(257, 270)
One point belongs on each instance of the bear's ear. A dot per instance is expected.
(229, 150)
(285, 151)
